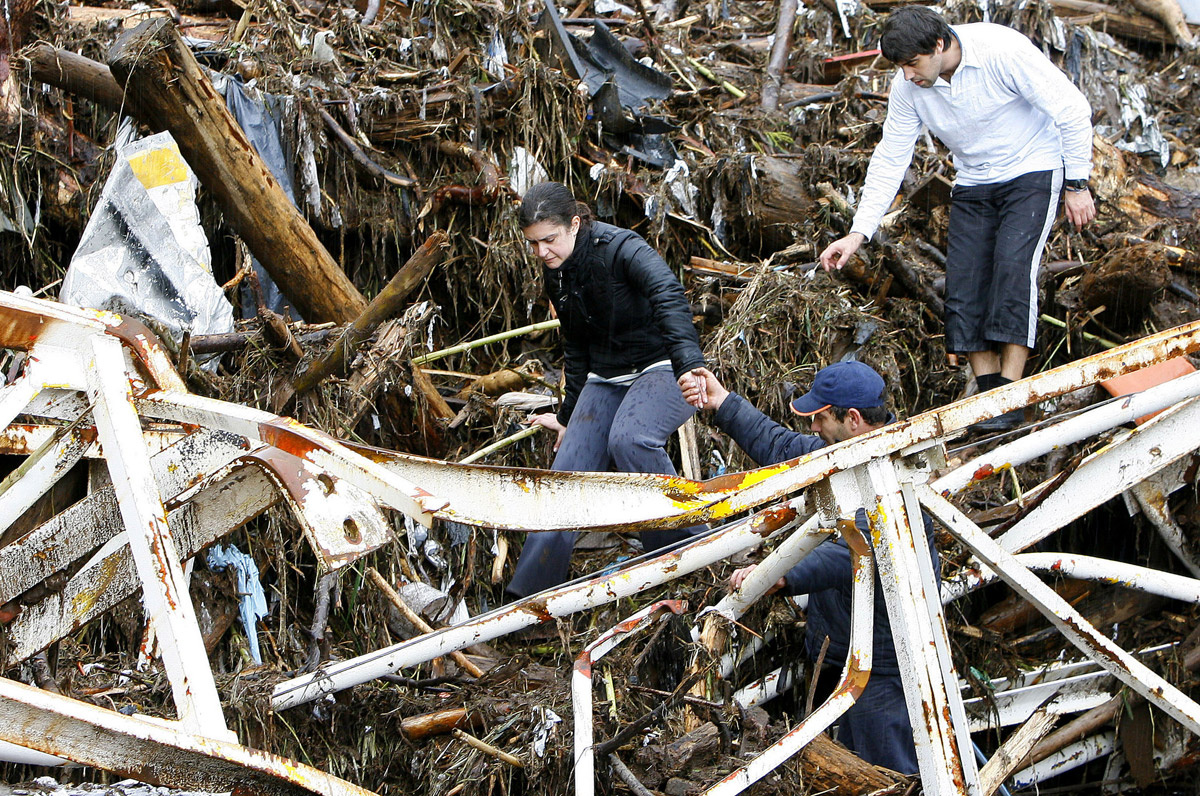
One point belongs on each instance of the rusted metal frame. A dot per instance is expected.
(540, 500)
(81, 528)
(527, 500)
(1103, 570)
(152, 751)
(1065, 617)
(542, 607)
(1066, 759)
(1070, 431)
(855, 674)
(765, 688)
(16, 396)
(23, 439)
(164, 591)
(935, 706)
(786, 555)
(341, 521)
(298, 440)
(760, 487)
(30, 324)
(1151, 497)
(25, 485)
(1105, 474)
(1109, 472)
(1006, 708)
(581, 685)
(230, 498)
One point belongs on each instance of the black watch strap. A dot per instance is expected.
(1075, 185)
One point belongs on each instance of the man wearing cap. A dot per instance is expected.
(847, 399)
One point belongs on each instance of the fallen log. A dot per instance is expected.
(167, 90)
(385, 305)
(71, 72)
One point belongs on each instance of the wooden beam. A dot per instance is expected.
(167, 90)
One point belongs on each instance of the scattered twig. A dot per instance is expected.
(412, 616)
(623, 772)
(495, 338)
(361, 158)
(487, 748)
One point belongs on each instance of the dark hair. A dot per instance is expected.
(872, 416)
(552, 201)
(912, 31)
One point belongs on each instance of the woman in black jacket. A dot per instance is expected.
(627, 336)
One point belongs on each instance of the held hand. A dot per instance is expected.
(739, 577)
(840, 251)
(1080, 207)
(550, 421)
(702, 390)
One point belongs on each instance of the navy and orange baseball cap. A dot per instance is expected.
(850, 385)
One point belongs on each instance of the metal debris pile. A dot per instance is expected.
(328, 588)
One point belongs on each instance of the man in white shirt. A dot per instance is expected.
(1021, 134)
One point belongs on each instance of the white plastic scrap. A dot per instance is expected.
(680, 185)
(544, 720)
(496, 56)
(1134, 111)
(253, 603)
(143, 249)
(524, 171)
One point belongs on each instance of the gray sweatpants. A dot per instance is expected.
(613, 427)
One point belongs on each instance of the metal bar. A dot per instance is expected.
(152, 751)
(766, 688)
(581, 686)
(1005, 708)
(229, 501)
(1070, 431)
(935, 706)
(855, 675)
(164, 590)
(1108, 472)
(16, 396)
(1103, 570)
(541, 607)
(40, 471)
(1151, 496)
(1069, 621)
(1066, 759)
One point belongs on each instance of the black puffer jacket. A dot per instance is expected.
(621, 309)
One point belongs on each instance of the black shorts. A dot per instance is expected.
(997, 234)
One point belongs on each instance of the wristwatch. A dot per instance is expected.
(1075, 185)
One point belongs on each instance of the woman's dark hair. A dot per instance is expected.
(912, 31)
(552, 201)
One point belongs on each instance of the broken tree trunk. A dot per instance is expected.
(779, 54)
(74, 73)
(386, 305)
(167, 90)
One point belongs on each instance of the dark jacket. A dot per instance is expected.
(825, 574)
(621, 309)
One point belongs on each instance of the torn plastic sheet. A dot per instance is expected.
(524, 171)
(544, 720)
(259, 117)
(252, 601)
(620, 87)
(143, 251)
(1136, 115)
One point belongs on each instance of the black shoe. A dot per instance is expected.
(998, 424)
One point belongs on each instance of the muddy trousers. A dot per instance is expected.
(621, 427)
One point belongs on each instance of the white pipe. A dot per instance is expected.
(1069, 431)
(1064, 760)
(1116, 573)
(563, 601)
(854, 678)
(581, 687)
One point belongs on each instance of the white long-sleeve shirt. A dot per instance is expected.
(1007, 111)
